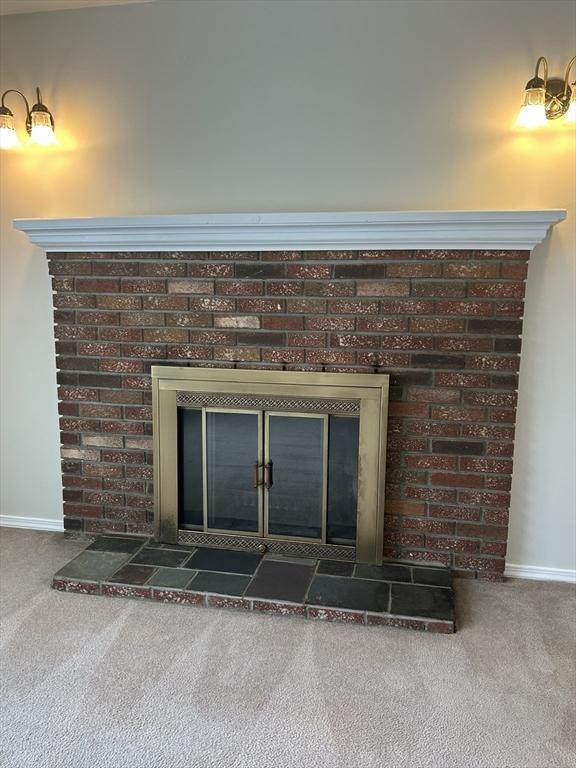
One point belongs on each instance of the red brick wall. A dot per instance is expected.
(444, 324)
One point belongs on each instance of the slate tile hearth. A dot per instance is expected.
(224, 560)
(393, 594)
(93, 566)
(356, 594)
(165, 557)
(115, 544)
(133, 574)
(276, 580)
(412, 600)
(439, 577)
(383, 572)
(335, 568)
(220, 583)
(176, 578)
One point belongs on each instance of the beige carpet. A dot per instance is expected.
(95, 682)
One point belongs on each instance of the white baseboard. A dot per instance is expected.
(538, 573)
(33, 523)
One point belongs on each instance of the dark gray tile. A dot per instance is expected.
(427, 602)
(166, 557)
(115, 544)
(438, 577)
(220, 583)
(177, 547)
(132, 574)
(288, 559)
(93, 566)
(335, 568)
(383, 572)
(358, 594)
(177, 578)
(281, 581)
(225, 560)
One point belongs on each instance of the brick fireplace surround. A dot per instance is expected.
(445, 323)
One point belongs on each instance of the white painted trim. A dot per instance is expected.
(33, 523)
(538, 573)
(498, 230)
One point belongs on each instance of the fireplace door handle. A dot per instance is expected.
(257, 467)
(268, 475)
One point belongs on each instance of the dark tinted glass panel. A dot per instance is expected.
(190, 512)
(231, 450)
(295, 500)
(342, 477)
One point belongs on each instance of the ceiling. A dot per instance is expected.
(35, 6)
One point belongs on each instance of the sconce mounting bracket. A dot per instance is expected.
(558, 94)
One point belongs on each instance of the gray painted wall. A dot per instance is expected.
(274, 105)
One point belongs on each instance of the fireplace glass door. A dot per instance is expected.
(296, 452)
(279, 475)
(232, 443)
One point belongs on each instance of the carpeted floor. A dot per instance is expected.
(96, 682)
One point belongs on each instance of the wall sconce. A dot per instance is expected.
(548, 98)
(39, 123)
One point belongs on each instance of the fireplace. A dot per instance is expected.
(291, 462)
(233, 389)
(434, 300)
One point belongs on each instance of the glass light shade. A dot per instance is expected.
(532, 112)
(8, 136)
(42, 132)
(570, 116)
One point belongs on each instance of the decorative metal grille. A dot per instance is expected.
(313, 405)
(255, 544)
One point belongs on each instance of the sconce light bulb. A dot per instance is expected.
(8, 136)
(42, 135)
(532, 112)
(41, 131)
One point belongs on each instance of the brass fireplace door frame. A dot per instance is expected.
(290, 392)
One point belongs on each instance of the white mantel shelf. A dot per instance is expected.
(387, 230)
